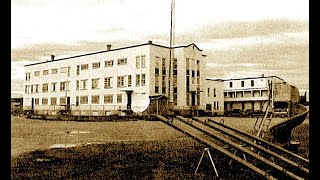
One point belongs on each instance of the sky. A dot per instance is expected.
(244, 38)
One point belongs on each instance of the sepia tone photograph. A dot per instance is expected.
(159, 89)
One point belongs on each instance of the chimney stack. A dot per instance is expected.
(149, 42)
(52, 57)
(108, 47)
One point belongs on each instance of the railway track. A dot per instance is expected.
(266, 159)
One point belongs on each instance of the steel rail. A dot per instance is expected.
(217, 147)
(261, 159)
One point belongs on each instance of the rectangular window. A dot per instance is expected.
(54, 71)
(26, 89)
(214, 92)
(119, 98)
(37, 73)
(95, 99)
(108, 63)
(107, 82)
(77, 85)
(108, 98)
(138, 80)
(208, 92)
(143, 61)
(31, 89)
(28, 76)
(84, 84)
(163, 66)
(217, 105)
(36, 88)
(129, 80)
(242, 83)
(230, 84)
(252, 82)
(143, 79)
(120, 81)
(36, 101)
(53, 101)
(137, 62)
(122, 61)
(77, 100)
(84, 99)
(45, 72)
(193, 73)
(95, 83)
(198, 65)
(63, 86)
(44, 101)
(78, 69)
(198, 73)
(96, 65)
(163, 89)
(62, 100)
(63, 69)
(45, 87)
(156, 71)
(53, 86)
(156, 89)
(156, 80)
(84, 66)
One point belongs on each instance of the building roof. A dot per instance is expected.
(245, 78)
(127, 47)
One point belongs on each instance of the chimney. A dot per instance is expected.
(262, 75)
(108, 47)
(52, 57)
(149, 42)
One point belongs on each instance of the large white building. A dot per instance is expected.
(113, 80)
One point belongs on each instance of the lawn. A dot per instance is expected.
(116, 150)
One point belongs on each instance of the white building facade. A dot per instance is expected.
(254, 93)
(111, 81)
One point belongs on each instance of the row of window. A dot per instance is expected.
(29, 89)
(122, 81)
(140, 63)
(95, 99)
(46, 72)
(242, 83)
(255, 93)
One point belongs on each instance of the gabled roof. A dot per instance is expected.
(127, 47)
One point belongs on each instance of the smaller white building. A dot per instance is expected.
(254, 93)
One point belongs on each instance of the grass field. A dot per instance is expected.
(119, 150)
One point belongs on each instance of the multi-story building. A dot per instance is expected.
(109, 81)
(254, 93)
